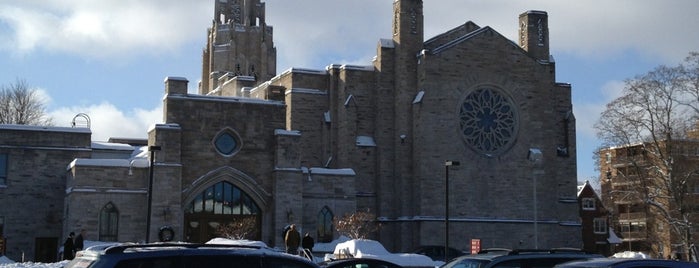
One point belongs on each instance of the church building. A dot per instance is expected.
(466, 136)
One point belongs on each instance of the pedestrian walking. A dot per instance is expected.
(80, 240)
(292, 240)
(69, 247)
(307, 243)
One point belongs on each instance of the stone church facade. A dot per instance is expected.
(305, 146)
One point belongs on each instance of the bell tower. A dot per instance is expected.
(239, 44)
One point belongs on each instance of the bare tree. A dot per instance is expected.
(357, 225)
(654, 119)
(240, 228)
(20, 104)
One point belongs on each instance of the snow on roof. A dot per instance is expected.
(418, 97)
(225, 99)
(175, 78)
(45, 128)
(613, 238)
(306, 91)
(284, 132)
(631, 255)
(583, 186)
(364, 248)
(99, 162)
(138, 159)
(365, 141)
(303, 71)
(387, 43)
(226, 241)
(368, 68)
(111, 146)
(164, 126)
(329, 171)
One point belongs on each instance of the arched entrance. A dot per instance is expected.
(216, 206)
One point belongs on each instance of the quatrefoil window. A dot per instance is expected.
(227, 142)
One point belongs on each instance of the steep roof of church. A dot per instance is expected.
(450, 35)
(470, 35)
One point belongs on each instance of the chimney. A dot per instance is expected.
(176, 85)
(534, 34)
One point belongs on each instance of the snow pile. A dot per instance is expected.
(363, 248)
(330, 247)
(12, 264)
(5, 260)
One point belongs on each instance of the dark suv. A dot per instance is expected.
(519, 258)
(185, 255)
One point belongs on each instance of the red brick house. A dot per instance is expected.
(596, 235)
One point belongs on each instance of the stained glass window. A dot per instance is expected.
(109, 223)
(325, 225)
(488, 121)
(223, 198)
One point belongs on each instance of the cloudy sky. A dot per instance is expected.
(109, 58)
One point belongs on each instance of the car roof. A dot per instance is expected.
(166, 249)
(501, 254)
(107, 256)
(620, 262)
(345, 261)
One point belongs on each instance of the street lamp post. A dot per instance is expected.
(535, 156)
(447, 164)
(152, 150)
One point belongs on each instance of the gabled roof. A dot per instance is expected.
(460, 34)
(587, 185)
(450, 35)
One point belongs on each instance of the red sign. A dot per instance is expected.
(475, 246)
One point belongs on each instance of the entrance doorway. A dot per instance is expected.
(217, 206)
(46, 249)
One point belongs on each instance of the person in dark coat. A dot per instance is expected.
(292, 240)
(69, 247)
(307, 244)
(80, 240)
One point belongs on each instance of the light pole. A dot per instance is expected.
(447, 164)
(535, 156)
(152, 150)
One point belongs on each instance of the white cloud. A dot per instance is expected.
(103, 29)
(107, 121)
(308, 31)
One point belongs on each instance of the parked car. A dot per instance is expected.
(436, 253)
(628, 263)
(185, 255)
(359, 263)
(519, 258)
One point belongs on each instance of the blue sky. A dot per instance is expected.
(109, 58)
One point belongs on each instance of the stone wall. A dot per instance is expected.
(34, 192)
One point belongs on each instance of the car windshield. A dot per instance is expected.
(466, 263)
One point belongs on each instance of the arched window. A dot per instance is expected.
(223, 198)
(109, 223)
(325, 225)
